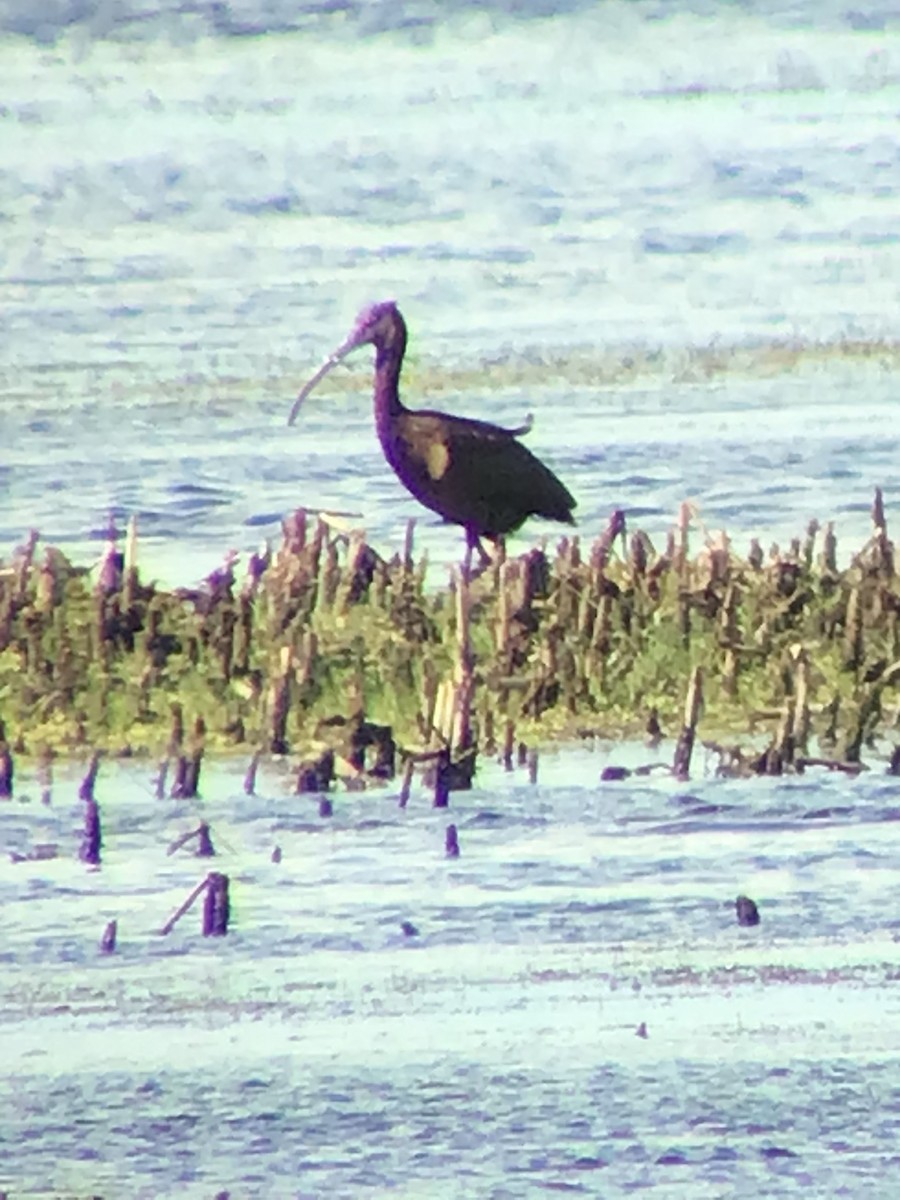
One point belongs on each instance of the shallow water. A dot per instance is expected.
(670, 231)
(190, 217)
(318, 1051)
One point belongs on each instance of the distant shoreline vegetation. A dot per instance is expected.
(618, 365)
(537, 367)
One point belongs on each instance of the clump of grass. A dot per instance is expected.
(588, 637)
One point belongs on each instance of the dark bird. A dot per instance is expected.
(470, 472)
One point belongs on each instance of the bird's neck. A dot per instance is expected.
(389, 353)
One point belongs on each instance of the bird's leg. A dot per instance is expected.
(467, 560)
(473, 542)
(486, 559)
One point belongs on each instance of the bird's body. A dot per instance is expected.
(473, 473)
(470, 472)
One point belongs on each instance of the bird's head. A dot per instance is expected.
(378, 324)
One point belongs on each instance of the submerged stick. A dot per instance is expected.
(205, 847)
(182, 908)
(108, 940)
(830, 764)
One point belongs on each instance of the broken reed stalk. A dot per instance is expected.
(443, 708)
(781, 753)
(681, 765)
(187, 765)
(509, 743)
(280, 701)
(854, 649)
(461, 738)
(86, 790)
(129, 567)
(45, 775)
(868, 710)
(730, 635)
(250, 777)
(884, 551)
(532, 766)
(216, 905)
(681, 547)
(92, 840)
(176, 732)
(682, 572)
(347, 587)
(801, 716)
(828, 554)
(442, 779)
(809, 544)
(406, 782)
(7, 771)
(507, 574)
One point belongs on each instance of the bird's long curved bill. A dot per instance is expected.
(331, 361)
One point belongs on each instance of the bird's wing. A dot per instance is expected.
(478, 474)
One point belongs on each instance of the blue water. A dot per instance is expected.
(697, 205)
(317, 1051)
(670, 231)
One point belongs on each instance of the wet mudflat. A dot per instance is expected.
(577, 1009)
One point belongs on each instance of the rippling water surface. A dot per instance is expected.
(612, 198)
(318, 1051)
(672, 232)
